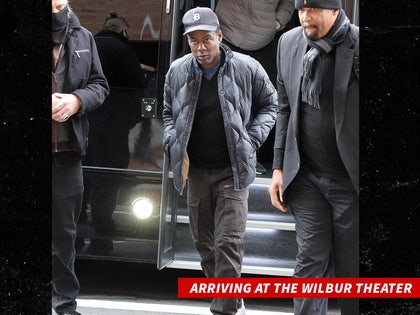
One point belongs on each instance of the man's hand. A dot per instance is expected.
(276, 190)
(64, 106)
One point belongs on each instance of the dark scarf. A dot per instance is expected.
(311, 83)
(59, 26)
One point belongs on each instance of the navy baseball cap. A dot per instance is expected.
(200, 19)
(323, 4)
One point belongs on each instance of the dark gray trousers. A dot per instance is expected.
(326, 211)
(218, 215)
(67, 191)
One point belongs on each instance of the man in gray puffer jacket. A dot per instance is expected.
(219, 107)
(252, 25)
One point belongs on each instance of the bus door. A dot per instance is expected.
(169, 205)
(124, 168)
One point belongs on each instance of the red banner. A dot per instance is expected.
(299, 287)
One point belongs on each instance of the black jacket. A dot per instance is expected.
(119, 60)
(121, 66)
(85, 77)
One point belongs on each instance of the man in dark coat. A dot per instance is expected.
(78, 86)
(110, 125)
(316, 151)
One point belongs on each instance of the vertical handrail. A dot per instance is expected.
(168, 6)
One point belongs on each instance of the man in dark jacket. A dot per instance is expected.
(119, 59)
(219, 107)
(78, 86)
(316, 151)
(110, 124)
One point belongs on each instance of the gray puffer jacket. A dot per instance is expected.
(250, 24)
(249, 106)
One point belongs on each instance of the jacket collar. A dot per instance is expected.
(108, 33)
(74, 22)
(227, 51)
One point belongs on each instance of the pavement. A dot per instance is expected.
(95, 306)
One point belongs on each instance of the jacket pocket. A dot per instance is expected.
(81, 59)
(248, 139)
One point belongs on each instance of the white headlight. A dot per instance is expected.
(142, 208)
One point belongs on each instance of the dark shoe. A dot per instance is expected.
(71, 313)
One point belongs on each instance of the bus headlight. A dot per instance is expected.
(142, 208)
